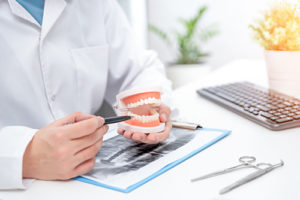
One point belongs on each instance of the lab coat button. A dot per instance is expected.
(53, 97)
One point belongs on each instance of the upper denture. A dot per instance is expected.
(150, 100)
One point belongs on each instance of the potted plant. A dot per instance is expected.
(188, 45)
(278, 31)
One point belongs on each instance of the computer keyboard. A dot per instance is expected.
(266, 107)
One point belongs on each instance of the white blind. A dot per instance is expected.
(136, 11)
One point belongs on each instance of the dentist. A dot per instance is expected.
(59, 57)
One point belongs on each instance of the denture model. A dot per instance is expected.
(142, 105)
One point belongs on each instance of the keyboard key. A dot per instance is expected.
(265, 114)
(274, 118)
(287, 103)
(263, 108)
(281, 106)
(282, 120)
(296, 117)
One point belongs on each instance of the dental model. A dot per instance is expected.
(141, 104)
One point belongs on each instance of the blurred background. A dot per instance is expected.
(231, 19)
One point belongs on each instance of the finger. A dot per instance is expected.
(121, 131)
(128, 134)
(84, 167)
(154, 138)
(139, 137)
(83, 128)
(88, 140)
(87, 153)
(75, 117)
(164, 113)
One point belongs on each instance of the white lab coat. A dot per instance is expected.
(82, 54)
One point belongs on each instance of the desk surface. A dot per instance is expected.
(247, 138)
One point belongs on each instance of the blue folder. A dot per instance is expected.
(223, 134)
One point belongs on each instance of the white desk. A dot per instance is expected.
(247, 138)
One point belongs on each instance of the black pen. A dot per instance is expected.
(112, 120)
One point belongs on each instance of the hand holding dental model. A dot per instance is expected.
(150, 123)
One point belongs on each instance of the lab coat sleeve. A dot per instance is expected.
(13, 142)
(129, 65)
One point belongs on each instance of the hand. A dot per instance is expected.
(152, 138)
(64, 149)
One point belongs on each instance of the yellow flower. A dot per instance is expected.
(279, 29)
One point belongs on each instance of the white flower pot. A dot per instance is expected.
(284, 71)
(183, 74)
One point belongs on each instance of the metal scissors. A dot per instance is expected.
(245, 162)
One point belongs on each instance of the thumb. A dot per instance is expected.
(163, 117)
(164, 113)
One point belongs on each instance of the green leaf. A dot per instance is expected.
(208, 33)
(188, 41)
(159, 32)
(191, 25)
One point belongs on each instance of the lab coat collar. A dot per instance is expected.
(52, 11)
(21, 12)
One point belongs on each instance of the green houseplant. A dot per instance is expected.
(189, 41)
(188, 65)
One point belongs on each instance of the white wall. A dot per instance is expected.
(232, 16)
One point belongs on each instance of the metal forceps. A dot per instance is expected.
(251, 177)
(245, 162)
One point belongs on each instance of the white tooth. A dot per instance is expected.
(151, 118)
(142, 102)
(145, 119)
(130, 114)
(138, 103)
(147, 101)
(151, 100)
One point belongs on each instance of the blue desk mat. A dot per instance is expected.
(166, 168)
